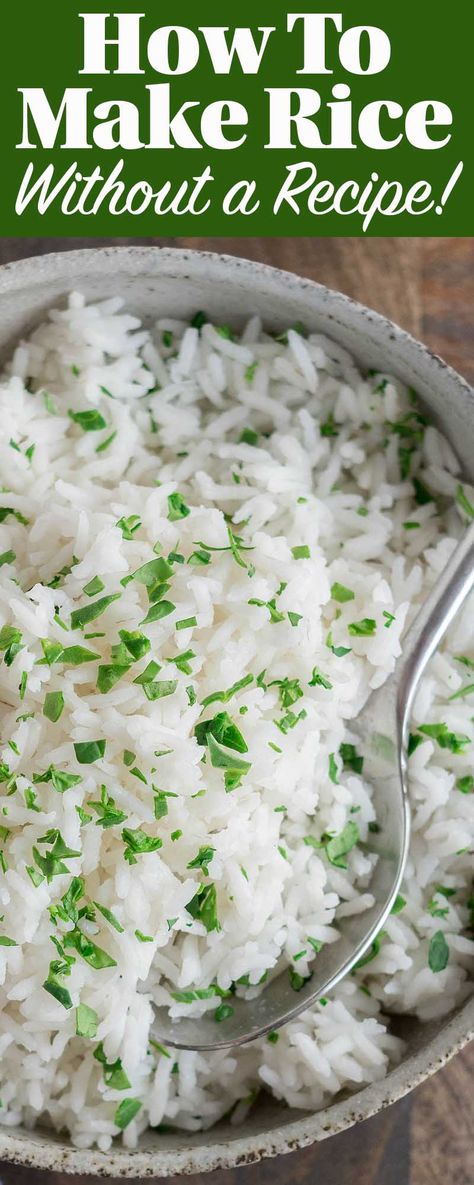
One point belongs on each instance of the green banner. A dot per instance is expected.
(273, 119)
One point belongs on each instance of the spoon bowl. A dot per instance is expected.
(381, 733)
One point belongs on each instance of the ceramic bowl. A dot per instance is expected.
(153, 283)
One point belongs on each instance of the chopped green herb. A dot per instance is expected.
(341, 594)
(248, 435)
(328, 428)
(98, 959)
(89, 421)
(351, 759)
(438, 955)
(463, 502)
(150, 574)
(223, 1012)
(177, 507)
(93, 587)
(199, 558)
(273, 1037)
(455, 742)
(373, 950)
(138, 843)
(466, 785)
(158, 611)
(143, 937)
(338, 651)
(340, 845)
(82, 617)
(319, 680)
(7, 557)
(333, 771)
(129, 526)
(74, 656)
(297, 981)
(53, 706)
(89, 751)
(362, 629)
(109, 675)
(148, 675)
(160, 690)
(224, 696)
(203, 907)
(199, 320)
(301, 552)
(109, 917)
(55, 988)
(463, 692)
(105, 443)
(87, 1022)
(202, 860)
(186, 623)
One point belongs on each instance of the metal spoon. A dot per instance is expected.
(381, 730)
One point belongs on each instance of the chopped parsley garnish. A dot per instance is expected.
(373, 950)
(456, 742)
(143, 937)
(224, 696)
(463, 502)
(301, 552)
(398, 904)
(186, 623)
(202, 860)
(351, 759)
(177, 507)
(340, 845)
(422, 494)
(53, 706)
(333, 770)
(138, 843)
(341, 594)
(52, 863)
(297, 981)
(89, 421)
(199, 320)
(109, 675)
(319, 680)
(223, 729)
(338, 651)
(463, 692)
(61, 781)
(114, 1074)
(203, 907)
(158, 611)
(328, 427)
(74, 656)
(82, 617)
(223, 1012)
(136, 643)
(438, 954)
(109, 815)
(93, 587)
(362, 629)
(275, 615)
(97, 958)
(154, 572)
(160, 689)
(129, 526)
(10, 643)
(248, 435)
(466, 785)
(7, 557)
(273, 1037)
(199, 558)
(89, 751)
(87, 1022)
(105, 443)
(109, 917)
(148, 675)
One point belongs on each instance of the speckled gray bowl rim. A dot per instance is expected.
(36, 1149)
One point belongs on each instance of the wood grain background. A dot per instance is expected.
(426, 285)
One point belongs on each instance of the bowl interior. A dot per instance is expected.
(154, 283)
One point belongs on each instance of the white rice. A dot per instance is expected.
(323, 475)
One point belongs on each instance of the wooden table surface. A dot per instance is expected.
(426, 285)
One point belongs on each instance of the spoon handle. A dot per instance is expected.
(432, 621)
